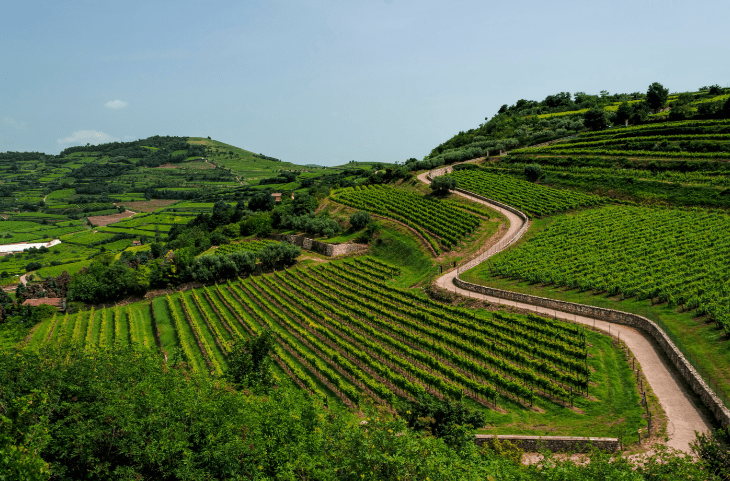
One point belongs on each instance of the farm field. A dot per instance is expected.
(665, 264)
(250, 245)
(428, 216)
(344, 332)
(690, 139)
(526, 196)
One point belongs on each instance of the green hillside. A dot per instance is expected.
(657, 251)
(174, 249)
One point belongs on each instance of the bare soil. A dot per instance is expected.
(102, 220)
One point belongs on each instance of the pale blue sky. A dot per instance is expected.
(328, 82)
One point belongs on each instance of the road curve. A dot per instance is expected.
(683, 409)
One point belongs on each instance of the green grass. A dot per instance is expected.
(396, 246)
(613, 409)
(71, 268)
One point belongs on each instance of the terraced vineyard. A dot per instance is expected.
(692, 139)
(679, 256)
(249, 246)
(526, 196)
(343, 331)
(429, 217)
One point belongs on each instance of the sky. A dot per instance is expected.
(327, 82)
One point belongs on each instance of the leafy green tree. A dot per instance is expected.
(257, 224)
(303, 203)
(249, 363)
(623, 113)
(221, 214)
(443, 184)
(595, 119)
(726, 108)
(714, 449)
(715, 90)
(261, 201)
(359, 219)
(21, 462)
(452, 421)
(656, 96)
(533, 172)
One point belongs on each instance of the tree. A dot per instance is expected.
(726, 108)
(595, 119)
(304, 203)
(533, 172)
(623, 113)
(443, 184)
(249, 363)
(714, 449)
(261, 201)
(656, 96)
(359, 219)
(221, 214)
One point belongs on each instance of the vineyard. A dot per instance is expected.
(671, 255)
(249, 246)
(698, 139)
(428, 216)
(526, 196)
(343, 331)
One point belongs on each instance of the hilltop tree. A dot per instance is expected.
(595, 119)
(623, 113)
(656, 96)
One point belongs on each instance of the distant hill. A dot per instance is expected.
(530, 122)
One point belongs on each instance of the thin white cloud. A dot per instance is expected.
(87, 137)
(116, 104)
(15, 124)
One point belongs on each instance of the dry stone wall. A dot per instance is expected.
(708, 396)
(556, 444)
(324, 248)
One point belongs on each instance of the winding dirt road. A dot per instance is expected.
(683, 409)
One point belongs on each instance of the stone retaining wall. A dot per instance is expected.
(330, 250)
(556, 444)
(708, 396)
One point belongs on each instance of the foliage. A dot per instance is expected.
(249, 362)
(443, 184)
(657, 95)
(533, 172)
(125, 414)
(311, 224)
(359, 219)
(595, 119)
(714, 449)
(262, 201)
(447, 419)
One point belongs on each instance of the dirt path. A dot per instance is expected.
(684, 413)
